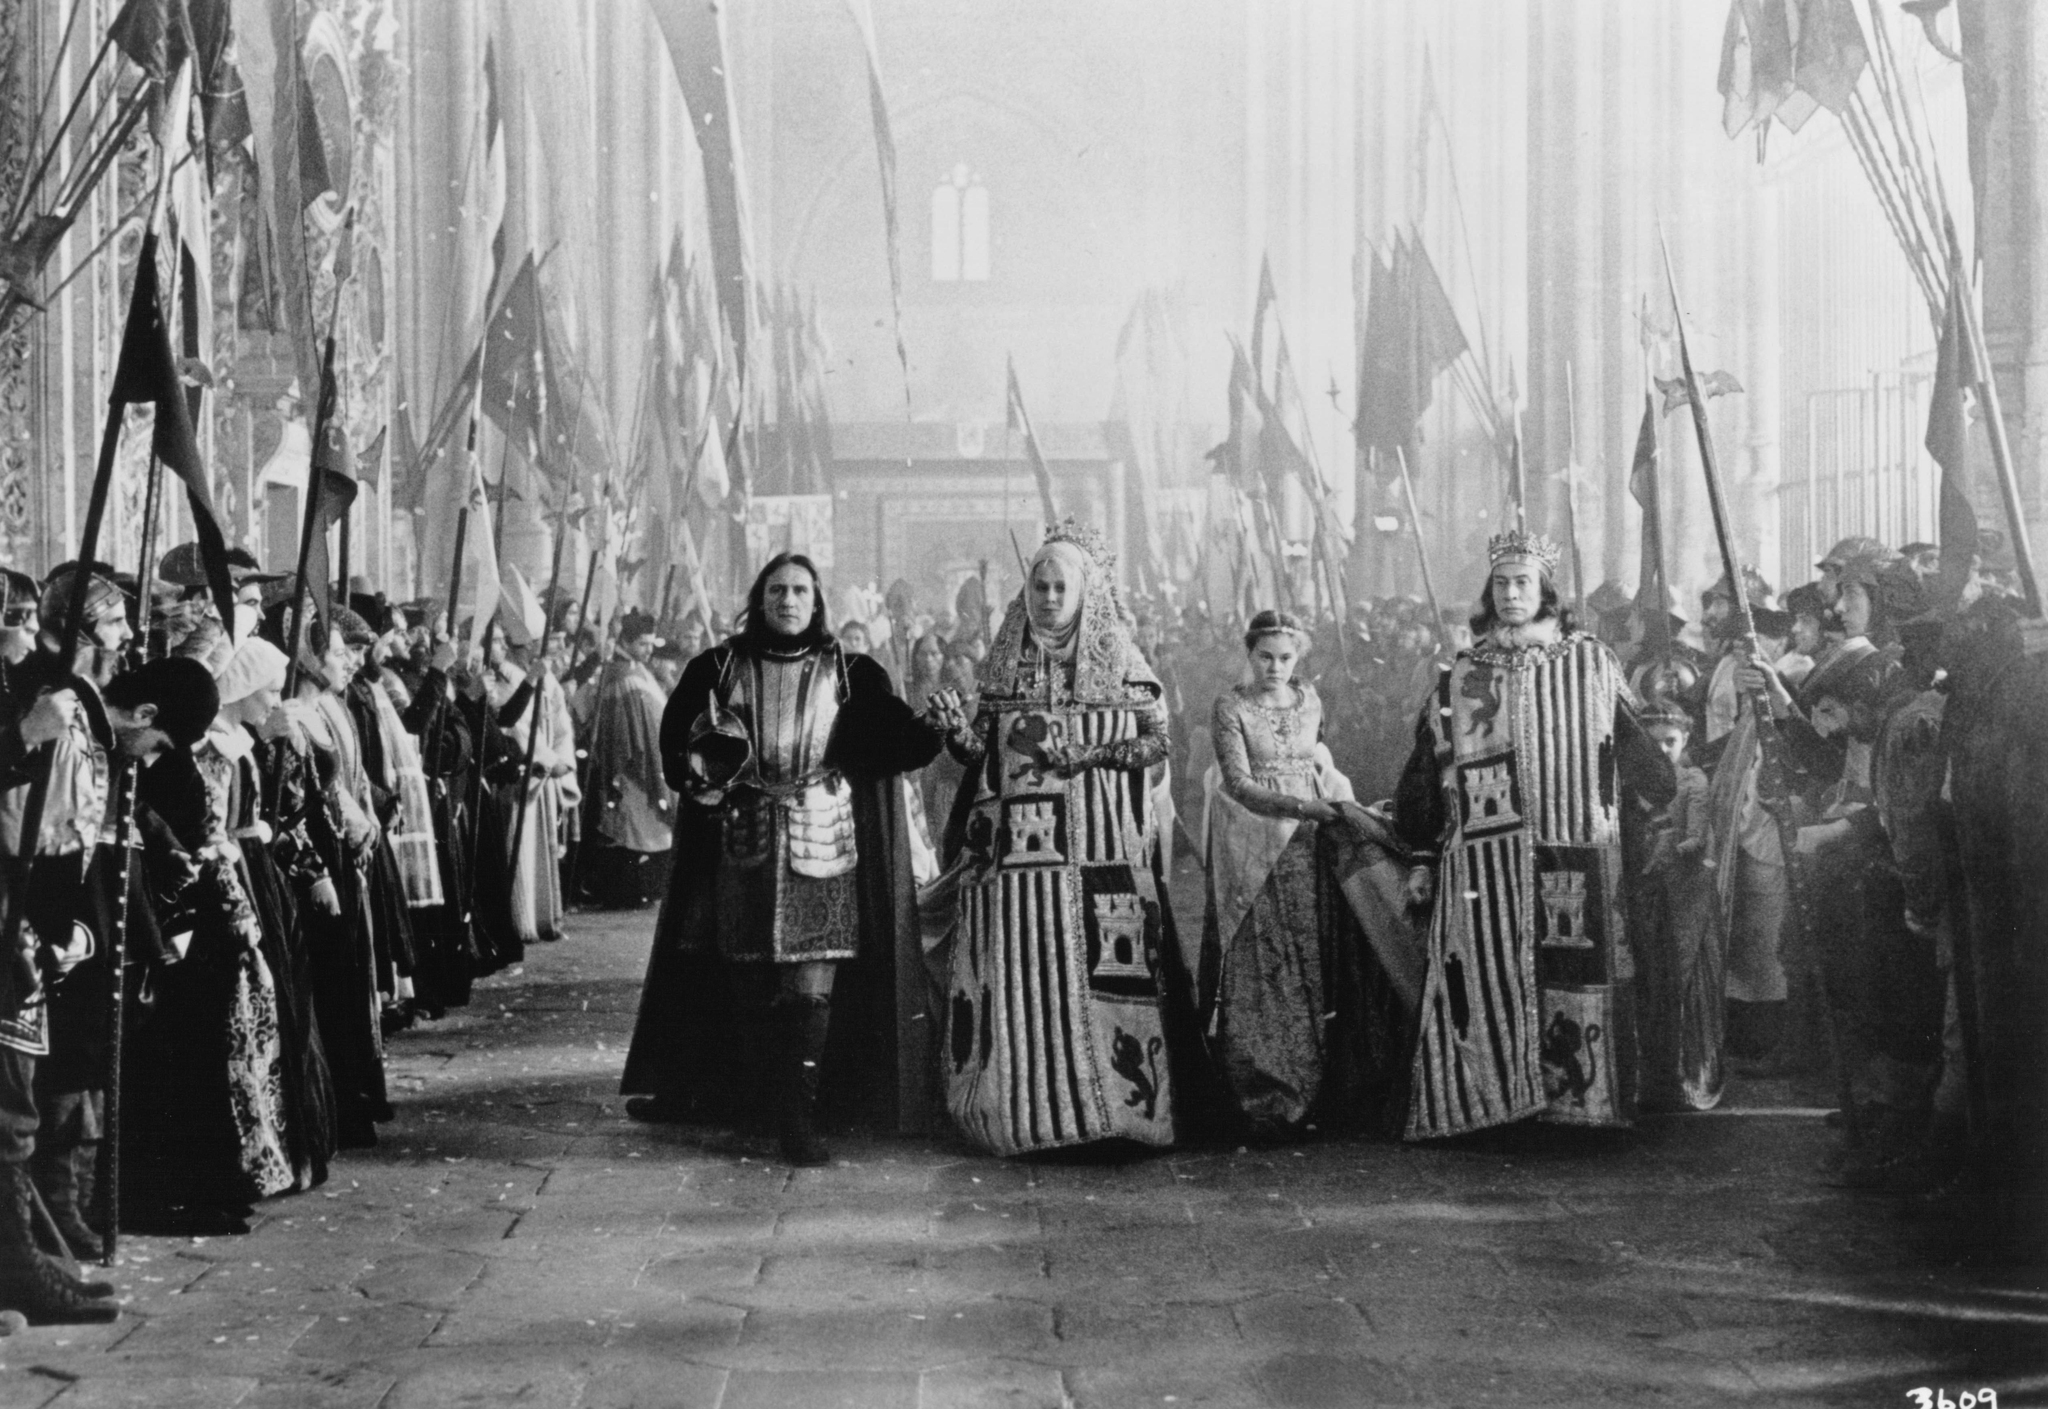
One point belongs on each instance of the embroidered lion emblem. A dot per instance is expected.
(1482, 687)
(1563, 1072)
(1029, 736)
(1138, 1065)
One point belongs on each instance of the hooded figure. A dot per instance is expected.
(627, 832)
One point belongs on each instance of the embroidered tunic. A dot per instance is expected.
(1527, 1004)
(1054, 1027)
(786, 884)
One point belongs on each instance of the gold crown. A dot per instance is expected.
(1088, 539)
(1520, 544)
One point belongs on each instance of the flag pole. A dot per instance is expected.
(1436, 612)
(471, 477)
(108, 1158)
(540, 660)
(1571, 490)
(323, 416)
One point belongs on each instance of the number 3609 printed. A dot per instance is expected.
(1961, 1399)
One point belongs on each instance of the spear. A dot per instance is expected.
(540, 661)
(1436, 614)
(1771, 786)
(1571, 490)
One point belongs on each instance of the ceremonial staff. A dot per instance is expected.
(126, 784)
(586, 758)
(1436, 614)
(538, 678)
(1773, 790)
(323, 417)
(462, 526)
(1571, 491)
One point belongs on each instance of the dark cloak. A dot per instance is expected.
(696, 1042)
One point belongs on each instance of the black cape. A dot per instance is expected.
(695, 1043)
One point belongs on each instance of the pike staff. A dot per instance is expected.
(538, 678)
(1773, 791)
(1436, 614)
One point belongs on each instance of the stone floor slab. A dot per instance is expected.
(819, 1389)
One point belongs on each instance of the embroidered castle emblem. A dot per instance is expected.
(1564, 908)
(1034, 832)
(1490, 793)
(1120, 920)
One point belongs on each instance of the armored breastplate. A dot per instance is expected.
(790, 704)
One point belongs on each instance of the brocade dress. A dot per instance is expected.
(1057, 979)
(1279, 944)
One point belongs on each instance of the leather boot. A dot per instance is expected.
(806, 1021)
(66, 1178)
(31, 1281)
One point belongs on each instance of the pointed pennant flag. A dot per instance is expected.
(1830, 51)
(1928, 12)
(1019, 418)
(885, 158)
(223, 107)
(480, 572)
(142, 31)
(1238, 456)
(1384, 384)
(1712, 384)
(1438, 338)
(1948, 441)
(370, 463)
(695, 32)
(1265, 307)
(147, 372)
(316, 179)
(408, 465)
(1652, 597)
(511, 392)
(267, 54)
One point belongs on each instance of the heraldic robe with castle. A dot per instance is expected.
(1520, 759)
(1055, 1031)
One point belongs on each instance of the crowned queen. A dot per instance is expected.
(1511, 805)
(1056, 1028)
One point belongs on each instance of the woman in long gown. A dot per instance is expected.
(1063, 979)
(1286, 980)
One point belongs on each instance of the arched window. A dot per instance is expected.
(974, 232)
(960, 229)
(946, 233)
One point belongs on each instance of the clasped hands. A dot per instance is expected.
(946, 711)
(1345, 812)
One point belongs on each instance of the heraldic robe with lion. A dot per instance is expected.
(1056, 1027)
(1521, 757)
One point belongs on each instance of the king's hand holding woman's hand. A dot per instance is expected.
(946, 712)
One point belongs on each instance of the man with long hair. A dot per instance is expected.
(1511, 805)
(791, 866)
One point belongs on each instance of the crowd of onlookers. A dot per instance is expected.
(332, 843)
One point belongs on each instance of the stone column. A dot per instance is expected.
(2005, 43)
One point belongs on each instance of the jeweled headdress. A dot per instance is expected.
(1088, 539)
(1520, 545)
